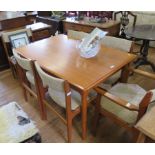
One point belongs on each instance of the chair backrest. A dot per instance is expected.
(7, 34)
(119, 43)
(49, 80)
(129, 15)
(78, 35)
(23, 63)
(12, 39)
(55, 85)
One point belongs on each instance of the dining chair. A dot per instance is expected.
(13, 39)
(77, 35)
(60, 92)
(26, 74)
(126, 17)
(124, 103)
(121, 44)
(146, 125)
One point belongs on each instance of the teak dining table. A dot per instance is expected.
(60, 56)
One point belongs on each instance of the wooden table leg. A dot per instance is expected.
(125, 74)
(84, 114)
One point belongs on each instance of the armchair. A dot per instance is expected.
(124, 103)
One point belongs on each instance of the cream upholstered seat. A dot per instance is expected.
(15, 126)
(118, 43)
(59, 90)
(8, 44)
(77, 35)
(132, 93)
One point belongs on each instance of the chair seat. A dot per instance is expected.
(30, 77)
(132, 93)
(15, 125)
(59, 98)
(111, 80)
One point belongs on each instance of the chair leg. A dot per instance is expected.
(95, 121)
(43, 111)
(97, 114)
(13, 71)
(25, 94)
(141, 138)
(69, 128)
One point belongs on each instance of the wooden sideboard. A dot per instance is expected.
(39, 31)
(112, 27)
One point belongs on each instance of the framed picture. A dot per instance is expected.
(19, 39)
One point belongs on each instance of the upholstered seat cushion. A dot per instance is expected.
(132, 93)
(110, 81)
(59, 98)
(122, 113)
(114, 78)
(129, 92)
(30, 77)
(15, 126)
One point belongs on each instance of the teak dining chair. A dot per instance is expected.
(60, 92)
(26, 73)
(77, 35)
(121, 44)
(13, 39)
(146, 125)
(124, 103)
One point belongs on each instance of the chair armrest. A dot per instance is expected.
(116, 99)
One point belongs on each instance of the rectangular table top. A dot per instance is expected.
(60, 56)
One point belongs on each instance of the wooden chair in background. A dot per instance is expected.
(13, 39)
(124, 103)
(26, 74)
(124, 18)
(60, 92)
(121, 44)
(77, 35)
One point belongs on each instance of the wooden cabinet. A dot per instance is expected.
(40, 30)
(112, 27)
(3, 59)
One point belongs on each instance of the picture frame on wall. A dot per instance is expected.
(19, 39)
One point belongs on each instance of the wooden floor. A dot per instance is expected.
(53, 130)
